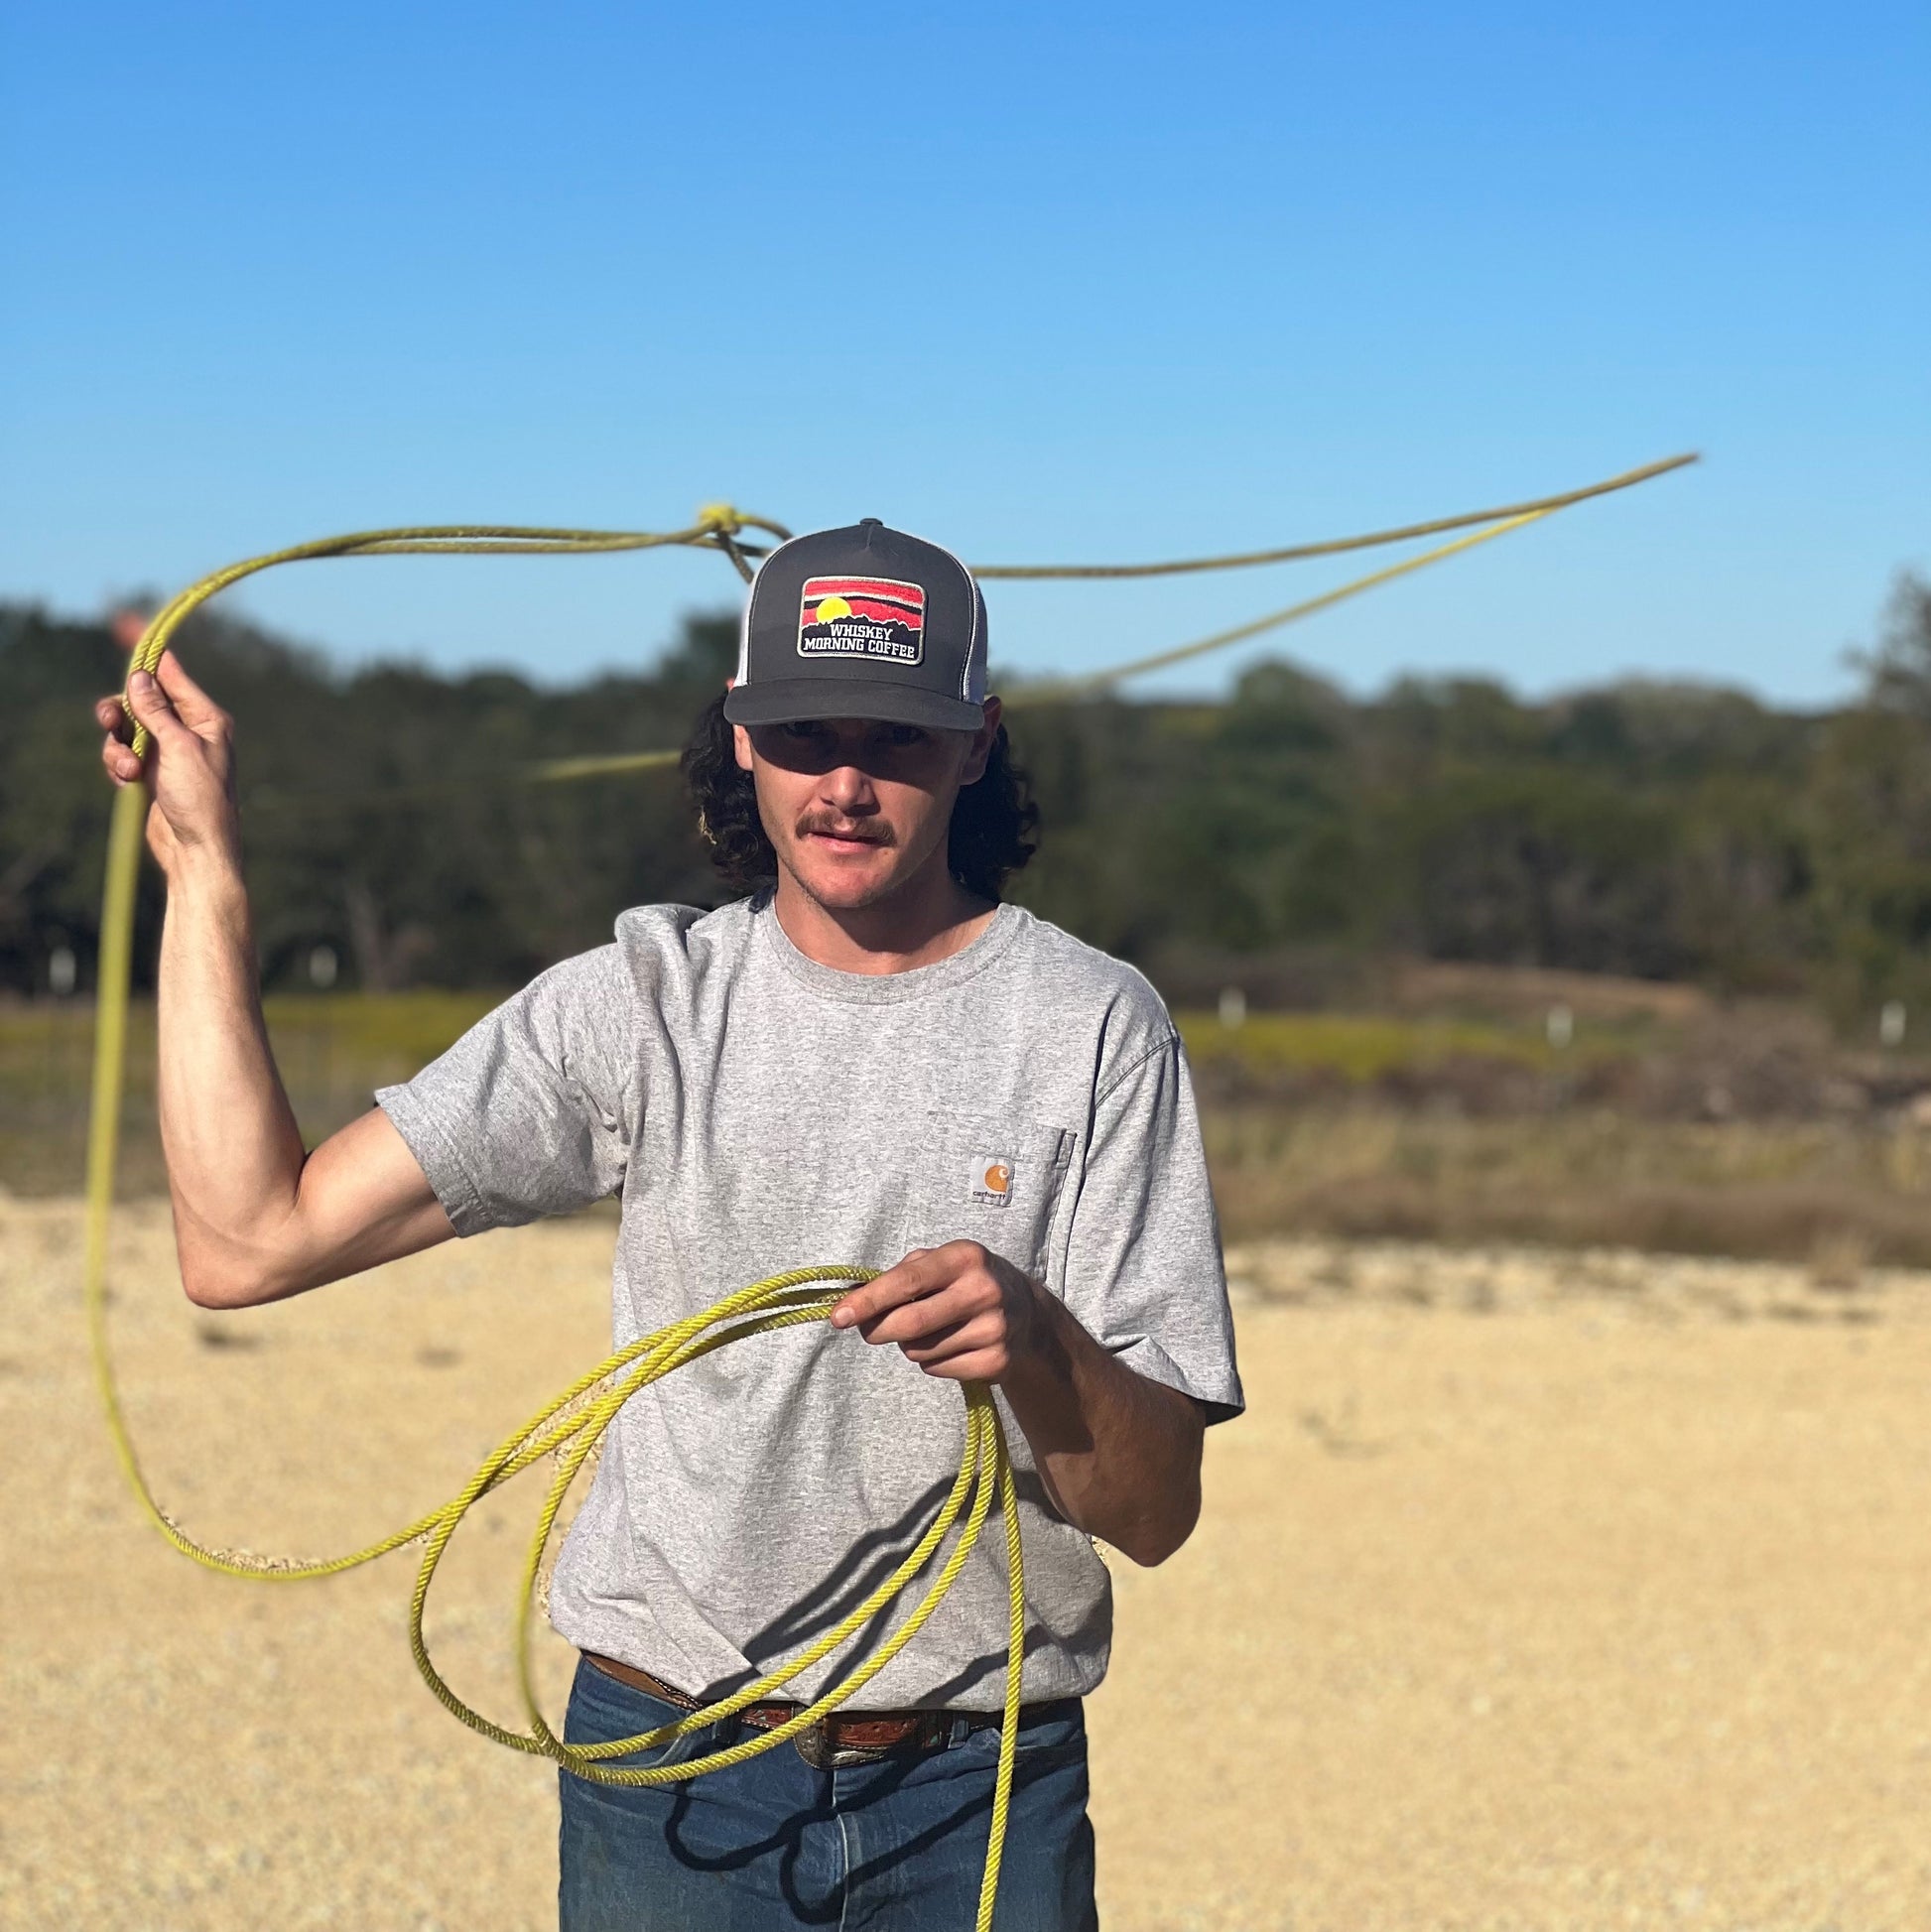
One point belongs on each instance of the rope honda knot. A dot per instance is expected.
(721, 518)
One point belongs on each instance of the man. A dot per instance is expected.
(867, 1060)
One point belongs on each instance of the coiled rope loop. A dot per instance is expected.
(570, 1428)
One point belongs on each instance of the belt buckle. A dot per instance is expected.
(814, 1745)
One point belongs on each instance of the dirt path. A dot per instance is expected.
(1532, 1594)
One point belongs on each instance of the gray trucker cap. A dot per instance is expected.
(864, 622)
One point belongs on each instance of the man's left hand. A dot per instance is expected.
(957, 1311)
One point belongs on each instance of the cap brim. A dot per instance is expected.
(793, 700)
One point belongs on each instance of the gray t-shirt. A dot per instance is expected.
(759, 1112)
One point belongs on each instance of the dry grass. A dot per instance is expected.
(1776, 1190)
(1360, 1048)
(1663, 1124)
(334, 1050)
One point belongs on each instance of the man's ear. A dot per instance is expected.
(741, 740)
(983, 740)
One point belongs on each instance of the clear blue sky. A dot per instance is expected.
(1082, 282)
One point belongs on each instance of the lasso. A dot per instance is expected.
(570, 1425)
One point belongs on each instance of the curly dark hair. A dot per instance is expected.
(994, 824)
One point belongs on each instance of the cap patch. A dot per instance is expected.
(863, 617)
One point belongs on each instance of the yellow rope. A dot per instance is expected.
(1056, 690)
(716, 528)
(1060, 688)
(572, 1425)
(1334, 546)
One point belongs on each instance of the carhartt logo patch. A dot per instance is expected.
(991, 1180)
(863, 617)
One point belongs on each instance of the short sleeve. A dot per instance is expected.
(1144, 1268)
(526, 1115)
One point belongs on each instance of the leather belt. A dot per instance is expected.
(836, 1740)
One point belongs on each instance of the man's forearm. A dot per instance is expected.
(234, 1153)
(1118, 1454)
(255, 1218)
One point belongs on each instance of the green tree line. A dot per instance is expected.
(1667, 830)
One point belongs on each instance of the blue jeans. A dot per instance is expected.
(896, 1845)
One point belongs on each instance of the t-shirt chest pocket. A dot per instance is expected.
(998, 1181)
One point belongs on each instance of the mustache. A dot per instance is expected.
(829, 824)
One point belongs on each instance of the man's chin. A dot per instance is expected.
(850, 895)
(849, 885)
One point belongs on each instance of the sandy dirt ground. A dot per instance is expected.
(1532, 1592)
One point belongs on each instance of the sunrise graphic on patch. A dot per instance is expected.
(863, 617)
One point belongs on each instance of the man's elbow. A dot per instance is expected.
(226, 1275)
(1156, 1538)
(210, 1286)
(1173, 1509)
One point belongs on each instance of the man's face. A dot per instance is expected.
(857, 808)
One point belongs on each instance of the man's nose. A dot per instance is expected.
(846, 787)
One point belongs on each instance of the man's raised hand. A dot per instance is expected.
(958, 1312)
(189, 765)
